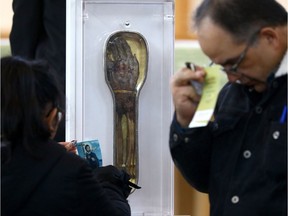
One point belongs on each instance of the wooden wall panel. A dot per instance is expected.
(183, 25)
(6, 15)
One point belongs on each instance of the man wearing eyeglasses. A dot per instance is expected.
(239, 158)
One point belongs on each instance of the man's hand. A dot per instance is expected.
(185, 98)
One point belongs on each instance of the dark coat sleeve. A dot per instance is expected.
(39, 32)
(27, 26)
(191, 152)
(116, 185)
(108, 198)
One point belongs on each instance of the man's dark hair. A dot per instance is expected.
(241, 18)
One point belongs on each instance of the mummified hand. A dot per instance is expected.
(122, 65)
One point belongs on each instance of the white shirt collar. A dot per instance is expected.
(282, 70)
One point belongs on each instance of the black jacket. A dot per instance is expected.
(56, 182)
(240, 158)
(39, 32)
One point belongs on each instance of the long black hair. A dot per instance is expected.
(27, 87)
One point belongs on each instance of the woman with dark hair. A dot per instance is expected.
(38, 175)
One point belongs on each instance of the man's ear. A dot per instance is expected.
(271, 36)
(52, 120)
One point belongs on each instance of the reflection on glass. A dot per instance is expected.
(126, 60)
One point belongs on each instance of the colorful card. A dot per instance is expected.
(90, 150)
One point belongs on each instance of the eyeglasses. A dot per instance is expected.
(234, 68)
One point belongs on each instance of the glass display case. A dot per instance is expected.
(119, 62)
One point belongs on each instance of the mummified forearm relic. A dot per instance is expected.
(126, 68)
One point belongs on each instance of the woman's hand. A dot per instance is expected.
(70, 147)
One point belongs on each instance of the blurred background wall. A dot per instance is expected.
(183, 10)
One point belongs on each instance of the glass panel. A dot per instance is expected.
(91, 107)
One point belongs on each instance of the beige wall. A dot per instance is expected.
(284, 3)
(6, 15)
